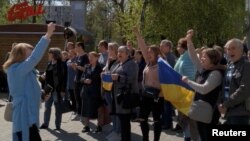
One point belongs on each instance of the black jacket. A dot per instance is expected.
(56, 76)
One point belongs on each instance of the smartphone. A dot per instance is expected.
(48, 89)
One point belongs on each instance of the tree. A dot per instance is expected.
(4, 5)
(214, 21)
(99, 19)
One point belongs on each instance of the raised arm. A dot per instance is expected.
(191, 50)
(141, 44)
(38, 52)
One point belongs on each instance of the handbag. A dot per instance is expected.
(127, 98)
(151, 92)
(8, 111)
(66, 106)
(201, 111)
(104, 115)
(130, 100)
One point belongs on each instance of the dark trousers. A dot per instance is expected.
(78, 89)
(125, 127)
(237, 120)
(34, 134)
(148, 105)
(167, 119)
(203, 129)
(72, 98)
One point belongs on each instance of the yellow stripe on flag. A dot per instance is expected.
(107, 86)
(180, 97)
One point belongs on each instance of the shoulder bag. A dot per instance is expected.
(8, 111)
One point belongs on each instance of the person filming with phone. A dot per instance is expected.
(24, 87)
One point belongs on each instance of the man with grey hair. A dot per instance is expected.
(237, 85)
(166, 47)
(103, 49)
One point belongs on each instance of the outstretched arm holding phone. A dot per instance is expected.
(24, 87)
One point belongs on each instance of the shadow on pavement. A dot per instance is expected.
(62, 135)
(106, 130)
(3, 95)
(3, 99)
(136, 137)
(175, 133)
(99, 136)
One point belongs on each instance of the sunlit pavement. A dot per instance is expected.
(71, 130)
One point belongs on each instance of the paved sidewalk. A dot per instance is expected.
(71, 130)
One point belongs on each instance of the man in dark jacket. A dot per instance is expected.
(237, 85)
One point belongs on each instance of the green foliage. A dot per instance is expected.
(3, 11)
(111, 21)
(128, 19)
(214, 21)
(100, 17)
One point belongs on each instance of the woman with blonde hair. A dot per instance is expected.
(108, 95)
(24, 87)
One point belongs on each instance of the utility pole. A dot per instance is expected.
(78, 9)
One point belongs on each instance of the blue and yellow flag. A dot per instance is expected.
(174, 90)
(107, 82)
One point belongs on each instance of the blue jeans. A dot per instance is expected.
(186, 131)
(108, 99)
(115, 119)
(47, 113)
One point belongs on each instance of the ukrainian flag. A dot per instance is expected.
(174, 90)
(107, 82)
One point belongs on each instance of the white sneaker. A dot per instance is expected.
(114, 137)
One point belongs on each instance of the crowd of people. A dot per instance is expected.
(219, 76)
